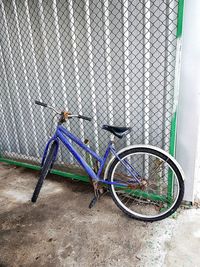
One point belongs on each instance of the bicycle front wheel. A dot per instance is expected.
(152, 186)
(48, 164)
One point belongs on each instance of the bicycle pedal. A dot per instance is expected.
(93, 202)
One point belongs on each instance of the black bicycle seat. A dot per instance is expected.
(117, 131)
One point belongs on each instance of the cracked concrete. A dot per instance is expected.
(60, 230)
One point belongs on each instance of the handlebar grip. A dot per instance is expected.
(40, 103)
(84, 118)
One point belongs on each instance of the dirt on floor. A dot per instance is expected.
(60, 230)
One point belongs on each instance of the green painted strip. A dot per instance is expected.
(172, 149)
(170, 186)
(53, 171)
(21, 164)
(172, 146)
(180, 18)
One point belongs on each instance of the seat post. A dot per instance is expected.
(112, 138)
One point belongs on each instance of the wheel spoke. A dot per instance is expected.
(148, 200)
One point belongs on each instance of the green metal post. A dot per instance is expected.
(172, 148)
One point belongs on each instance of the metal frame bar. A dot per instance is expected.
(63, 133)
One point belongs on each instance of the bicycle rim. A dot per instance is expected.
(161, 191)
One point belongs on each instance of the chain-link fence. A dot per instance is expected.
(111, 60)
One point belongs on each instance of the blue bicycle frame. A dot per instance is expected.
(62, 134)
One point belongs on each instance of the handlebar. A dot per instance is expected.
(69, 116)
(84, 118)
(40, 103)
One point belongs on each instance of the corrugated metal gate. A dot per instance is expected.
(112, 60)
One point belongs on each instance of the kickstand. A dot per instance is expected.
(97, 194)
(93, 202)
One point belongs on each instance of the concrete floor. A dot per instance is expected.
(60, 230)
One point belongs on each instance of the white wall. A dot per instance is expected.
(188, 129)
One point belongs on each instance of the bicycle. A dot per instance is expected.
(145, 182)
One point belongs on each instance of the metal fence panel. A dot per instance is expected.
(112, 60)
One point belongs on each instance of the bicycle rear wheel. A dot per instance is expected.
(48, 164)
(154, 183)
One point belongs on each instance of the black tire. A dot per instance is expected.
(48, 164)
(114, 190)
